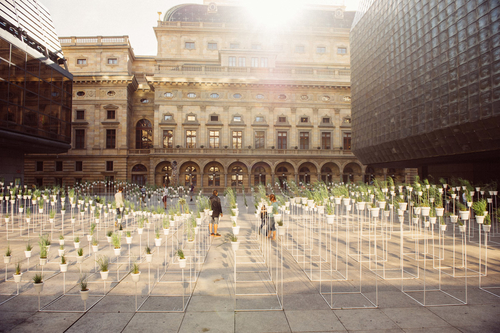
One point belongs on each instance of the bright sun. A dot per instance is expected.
(273, 13)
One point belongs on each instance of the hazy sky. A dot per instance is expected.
(123, 17)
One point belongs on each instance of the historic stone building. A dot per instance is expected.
(224, 103)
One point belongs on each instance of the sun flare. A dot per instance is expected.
(273, 13)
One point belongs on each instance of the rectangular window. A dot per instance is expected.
(232, 61)
(321, 49)
(256, 47)
(255, 62)
(304, 119)
(214, 118)
(214, 139)
(78, 165)
(78, 180)
(39, 165)
(281, 119)
(326, 120)
(304, 140)
(259, 139)
(259, 119)
(347, 140)
(242, 62)
(342, 50)
(168, 139)
(237, 119)
(110, 114)
(282, 140)
(112, 61)
(190, 139)
(59, 166)
(39, 182)
(79, 139)
(110, 139)
(109, 165)
(58, 181)
(80, 114)
(212, 46)
(237, 139)
(191, 118)
(234, 46)
(263, 62)
(299, 49)
(189, 45)
(81, 61)
(326, 140)
(168, 117)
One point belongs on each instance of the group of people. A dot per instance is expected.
(267, 217)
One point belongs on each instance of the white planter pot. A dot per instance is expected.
(381, 204)
(486, 227)
(236, 230)
(149, 257)
(79, 259)
(38, 287)
(43, 261)
(63, 267)
(464, 214)
(104, 275)
(439, 212)
(198, 221)
(338, 201)
(136, 276)
(401, 218)
(414, 220)
(166, 231)
(61, 242)
(329, 219)
(89, 238)
(427, 224)
(28, 220)
(479, 219)
(17, 277)
(426, 211)
(6, 259)
(321, 210)
(443, 227)
(128, 240)
(140, 230)
(61, 252)
(27, 254)
(278, 217)
(417, 210)
(157, 241)
(182, 263)
(233, 218)
(453, 218)
(360, 206)
(51, 221)
(77, 245)
(235, 245)
(461, 228)
(375, 211)
(95, 248)
(84, 294)
(281, 230)
(433, 220)
(117, 251)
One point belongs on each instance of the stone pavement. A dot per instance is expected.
(212, 306)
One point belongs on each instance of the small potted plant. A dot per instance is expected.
(63, 265)
(463, 211)
(28, 250)
(43, 254)
(28, 215)
(103, 263)
(128, 237)
(149, 255)
(61, 250)
(166, 226)
(38, 282)
(18, 274)
(61, 240)
(480, 208)
(117, 244)
(76, 242)
(157, 237)
(52, 215)
(236, 228)
(95, 245)
(135, 272)
(140, 225)
(235, 244)
(182, 258)
(8, 255)
(84, 290)
(281, 228)
(79, 257)
(109, 236)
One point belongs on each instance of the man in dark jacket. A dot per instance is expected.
(216, 211)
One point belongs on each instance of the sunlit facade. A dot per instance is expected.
(225, 102)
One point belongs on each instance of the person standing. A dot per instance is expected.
(119, 203)
(273, 210)
(191, 191)
(165, 196)
(216, 212)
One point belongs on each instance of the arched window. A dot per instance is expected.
(236, 176)
(326, 174)
(282, 172)
(214, 176)
(190, 176)
(259, 176)
(167, 174)
(139, 174)
(348, 175)
(304, 175)
(143, 134)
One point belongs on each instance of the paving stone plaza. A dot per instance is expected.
(356, 271)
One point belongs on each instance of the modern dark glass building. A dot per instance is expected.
(35, 91)
(426, 86)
